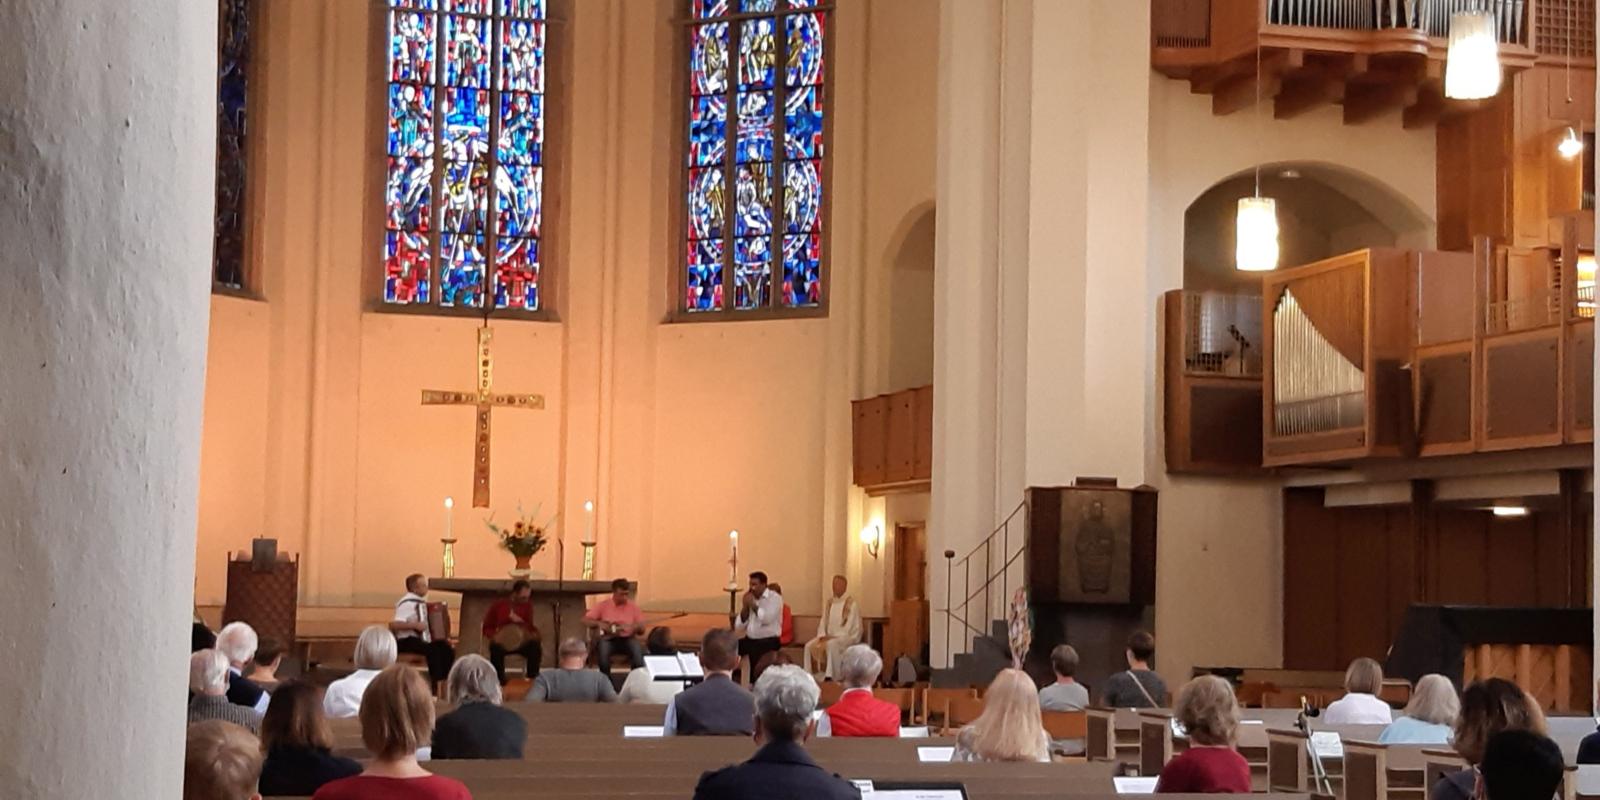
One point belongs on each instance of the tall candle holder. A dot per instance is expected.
(588, 540)
(447, 559)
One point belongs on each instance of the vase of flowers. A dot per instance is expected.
(523, 538)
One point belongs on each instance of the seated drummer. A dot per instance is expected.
(509, 627)
(619, 622)
(410, 629)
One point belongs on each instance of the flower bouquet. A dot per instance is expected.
(523, 538)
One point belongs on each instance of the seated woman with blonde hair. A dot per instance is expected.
(1209, 714)
(1010, 727)
(1429, 717)
(1360, 705)
(396, 719)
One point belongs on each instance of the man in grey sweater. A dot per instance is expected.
(570, 682)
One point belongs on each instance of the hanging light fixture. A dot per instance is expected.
(1256, 226)
(1571, 145)
(1472, 65)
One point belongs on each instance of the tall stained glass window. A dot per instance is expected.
(233, 85)
(465, 153)
(754, 238)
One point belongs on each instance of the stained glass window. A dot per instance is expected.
(465, 190)
(233, 90)
(755, 156)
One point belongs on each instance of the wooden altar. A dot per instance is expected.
(477, 594)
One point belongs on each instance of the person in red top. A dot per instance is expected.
(786, 627)
(858, 713)
(618, 621)
(1209, 714)
(509, 616)
(396, 719)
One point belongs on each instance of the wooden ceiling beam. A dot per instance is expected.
(1306, 92)
(1427, 109)
(1367, 101)
(1239, 93)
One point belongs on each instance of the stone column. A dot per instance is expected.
(106, 162)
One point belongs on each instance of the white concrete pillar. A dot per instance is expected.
(106, 161)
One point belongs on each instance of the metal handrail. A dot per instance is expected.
(951, 610)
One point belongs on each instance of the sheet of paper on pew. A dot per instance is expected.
(911, 791)
(930, 755)
(680, 667)
(643, 731)
(917, 732)
(1126, 785)
(1327, 744)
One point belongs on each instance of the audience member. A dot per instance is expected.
(1066, 694)
(781, 770)
(1009, 729)
(200, 636)
(221, 761)
(1487, 708)
(857, 712)
(1360, 704)
(208, 692)
(1138, 686)
(478, 727)
(642, 686)
(1520, 765)
(618, 621)
(508, 627)
(264, 666)
(411, 633)
(237, 641)
(396, 719)
(1209, 713)
(840, 627)
(375, 651)
(716, 706)
(1428, 717)
(1589, 748)
(571, 681)
(761, 622)
(785, 628)
(298, 744)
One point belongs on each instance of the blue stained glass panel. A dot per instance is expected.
(708, 59)
(531, 9)
(406, 267)
(802, 270)
(708, 130)
(707, 203)
(752, 272)
(465, 195)
(411, 47)
(466, 52)
(803, 3)
(518, 200)
(461, 270)
(467, 6)
(805, 50)
(410, 120)
(522, 56)
(704, 284)
(802, 196)
(802, 122)
(701, 9)
(521, 128)
(466, 123)
(408, 197)
(753, 200)
(757, 6)
(233, 87)
(428, 5)
(516, 274)
(758, 54)
(755, 127)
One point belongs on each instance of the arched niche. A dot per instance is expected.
(910, 322)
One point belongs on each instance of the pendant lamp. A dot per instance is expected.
(1256, 237)
(1472, 68)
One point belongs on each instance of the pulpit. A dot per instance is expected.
(477, 594)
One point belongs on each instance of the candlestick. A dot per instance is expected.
(447, 559)
(733, 561)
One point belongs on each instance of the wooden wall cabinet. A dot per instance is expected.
(892, 441)
(1212, 377)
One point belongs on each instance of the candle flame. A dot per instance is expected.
(449, 502)
(588, 505)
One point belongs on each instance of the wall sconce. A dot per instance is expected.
(872, 538)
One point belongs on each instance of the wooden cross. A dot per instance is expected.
(484, 400)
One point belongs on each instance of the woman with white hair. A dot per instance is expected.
(375, 650)
(478, 727)
(208, 687)
(1010, 727)
(781, 770)
(237, 641)
(857, 712)
(1430, 716)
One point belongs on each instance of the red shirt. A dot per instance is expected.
(858, 713)
(786, 628)
(371, 787)
(1206, 770)
(499, 616)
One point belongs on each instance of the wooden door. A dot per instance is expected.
(911, 561)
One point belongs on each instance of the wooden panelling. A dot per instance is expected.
(1224, 422)
(922, 466)
(901, 454)
(1444, 297)
(1580, 383)
(1522, 397)
(1444, 401)
(893, 440)
(1474, 152)
(869, 433)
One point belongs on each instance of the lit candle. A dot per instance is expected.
(588, 521)
(449, 503)
(733, 558)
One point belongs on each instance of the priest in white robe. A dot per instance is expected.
(840, 628)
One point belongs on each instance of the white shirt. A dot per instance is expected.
(842, 620)
(412, 608)
(1357, 709)
(343, 699)
(766, 621)
(642, 687)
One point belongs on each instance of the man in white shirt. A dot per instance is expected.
(761, 621)
(841, 627)
(410, 629)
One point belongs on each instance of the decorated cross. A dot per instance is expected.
(484, 400)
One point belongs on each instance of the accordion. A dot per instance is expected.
(438, 622)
